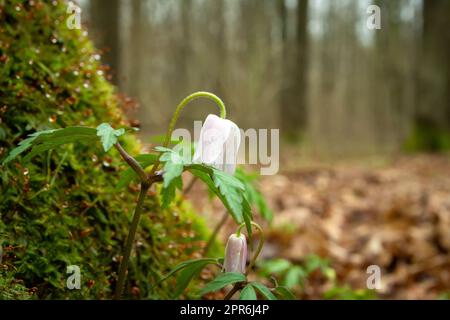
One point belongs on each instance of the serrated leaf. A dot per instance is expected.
(173, 164)
(228, 189)
(265, 292)
(108, 135)
(207, 179)
(232, 190)
(254, 196)
(248, 293)
(223, 280)
(42, 141)
(168, 193)
(284, 293)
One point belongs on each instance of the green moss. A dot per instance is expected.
(60, 209)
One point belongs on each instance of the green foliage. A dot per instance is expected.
(128, 175)
(11, 289)
(186, 272)
(248, 293)
(108, 135)
(284, 293)
(173, 165)
(45, 140)
(222, 280)
(229, 189)
(293, 275)
(347, 293)
(426, 136)
(60, 208)
(263, 290)
(254, 196)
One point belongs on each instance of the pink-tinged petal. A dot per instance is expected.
(235, 254)
(243, 253)
(213, 135)
(218, 144)
(231, 149)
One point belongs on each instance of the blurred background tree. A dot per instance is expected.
(311, 68)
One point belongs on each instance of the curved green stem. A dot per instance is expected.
(185, 101)
(180, 107)
(260, 244)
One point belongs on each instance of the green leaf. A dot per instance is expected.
(108, 135)
(168, 193)
(248, 293)
(171, 171)
(265, 292)
(314, 262)
(162, 149)
(23, 146)
(129, 174)
(185, 276)
(42, 141)
(232, 190)
(173, 164)
(295, 276)
(254, 196)
(228, 189)
(186, 264)
(284, 293)
(205, 173)
(275, 266)
(223, 280)
(247, 215)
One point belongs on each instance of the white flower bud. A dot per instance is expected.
(218, 144)
(235, 254)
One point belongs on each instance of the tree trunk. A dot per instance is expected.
(435, 74)
(293, 92)
(105, 19)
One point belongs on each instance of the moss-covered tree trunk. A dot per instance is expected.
(61, 208)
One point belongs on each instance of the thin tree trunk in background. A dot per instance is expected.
(435, 75)
(136, 49)
(293, 92)
(302, 61)
(185, 41)
(219, 15)
(105, 18)
(285, 80)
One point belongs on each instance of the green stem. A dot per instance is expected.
(237, 286)
(130, 240)
(260, 244)
(185, 101)
(180, 107)
(132, 162)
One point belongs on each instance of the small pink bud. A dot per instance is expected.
(235, 254)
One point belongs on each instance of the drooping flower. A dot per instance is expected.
(235, 254)
(218, 144)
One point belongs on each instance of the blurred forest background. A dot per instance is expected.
(309, 67)
(336, 90)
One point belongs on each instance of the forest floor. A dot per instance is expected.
(395, 216)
